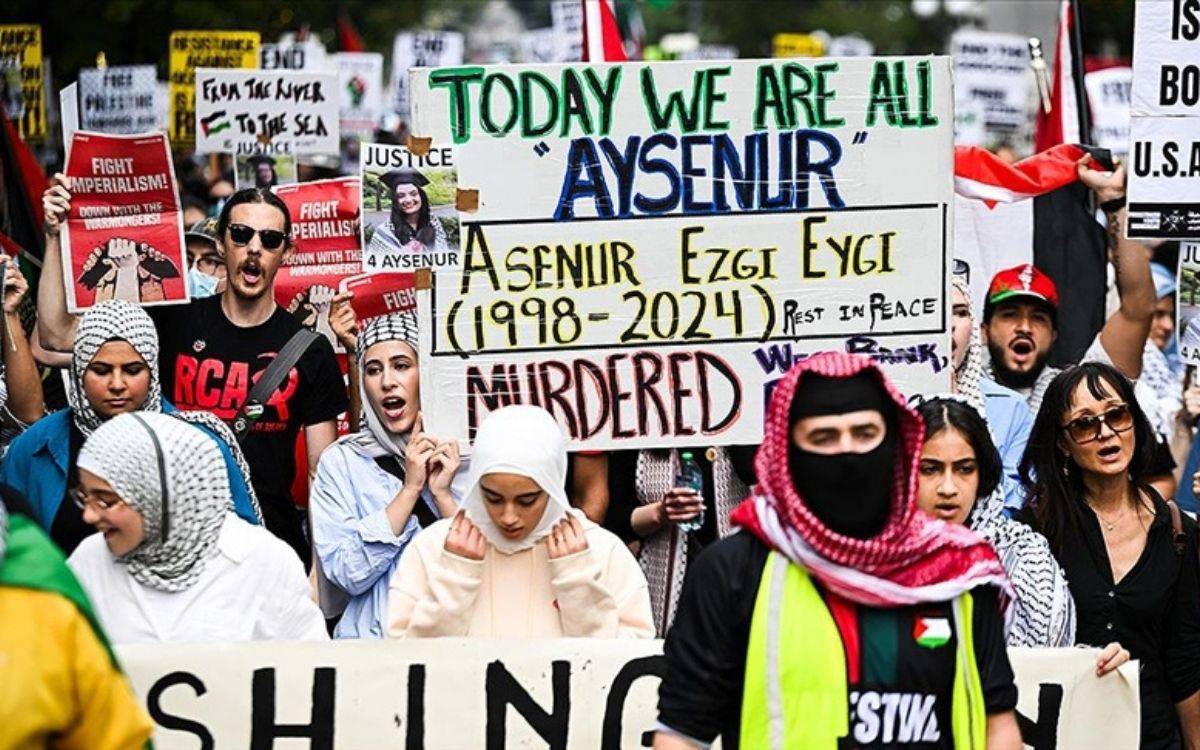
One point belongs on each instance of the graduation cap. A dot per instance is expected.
(257, 159)
(405, 176)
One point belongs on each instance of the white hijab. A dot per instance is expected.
(522, 440)
(373, 440)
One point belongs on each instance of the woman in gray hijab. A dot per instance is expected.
(376, 488)
(172, 561)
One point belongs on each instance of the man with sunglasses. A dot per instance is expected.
(213, 349)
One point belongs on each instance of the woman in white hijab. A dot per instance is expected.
(376, 488)
(518, 560)
(172, 561)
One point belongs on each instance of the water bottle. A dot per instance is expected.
(692, 477)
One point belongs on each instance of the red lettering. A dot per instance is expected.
(208, 392)
(185, 381)
(237, 387)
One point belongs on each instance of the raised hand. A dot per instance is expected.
(56, 203)
(566, 538)
(343, 321)
(15, 285)
(416, 457)
(1107, 185)
(465, 539)
(443, 465)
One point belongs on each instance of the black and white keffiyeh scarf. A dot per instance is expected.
(112, 320)
(174, 476)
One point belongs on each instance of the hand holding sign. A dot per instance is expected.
(56, 203)
(1107, 185)
(343, 321)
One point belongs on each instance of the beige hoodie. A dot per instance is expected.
(598, 593)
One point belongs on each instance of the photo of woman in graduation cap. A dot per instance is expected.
(411, 226)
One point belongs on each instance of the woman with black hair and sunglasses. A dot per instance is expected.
(1129, 556)
(172, 562)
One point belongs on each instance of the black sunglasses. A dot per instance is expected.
(1087, 428)
(272, 239)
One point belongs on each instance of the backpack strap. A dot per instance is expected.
(1178, 538)
(271, 379)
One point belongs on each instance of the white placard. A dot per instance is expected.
(1164, 178)
(452, 693)
(266, 111)
(119, 100)
(306, 55)
(648, 276)
(991, 74)
(421, 49)
(1108, 93)
(1166, 57)
(566, 16)
(360, 88)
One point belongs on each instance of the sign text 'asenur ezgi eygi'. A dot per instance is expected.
(124, 236)
(647, 247)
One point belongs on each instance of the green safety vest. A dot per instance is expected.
(796, 694)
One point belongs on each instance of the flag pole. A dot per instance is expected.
(1077, 72)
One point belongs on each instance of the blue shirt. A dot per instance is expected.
(353, 537)
(1010, 421)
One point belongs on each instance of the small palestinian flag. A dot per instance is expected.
(215, 123)
(931, 632)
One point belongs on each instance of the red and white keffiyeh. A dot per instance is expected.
(914, 559)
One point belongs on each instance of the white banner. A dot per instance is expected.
(1166, 58)
(119, 100)
(647, 248)
(360, 91)
(1108, 92)
(1164, 178)
(421, 49)
(991, 74)
(266, 111)
(458, 693)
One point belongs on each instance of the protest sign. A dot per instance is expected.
(119, 100)
(1164, 178)
(201, 49)
(1108, 93)
(421, 49)
(325, 248)
(307, 55)
(797, 45)
(409, 216)
(264, 170)
(379, 294)
(1166, 58)
(68, 107)
(646, 248)
(21, 68)
(992, 74)
(566, 18)
(475, 693)
(124, 236)
(274, 111)
(1164, 194)
(360, 91)
(1187, 303)
(850, 46)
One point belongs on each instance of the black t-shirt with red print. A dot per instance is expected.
(208, 363)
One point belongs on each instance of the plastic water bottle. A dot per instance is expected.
(692, 477)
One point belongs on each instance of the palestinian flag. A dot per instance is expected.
(601, 35)
(1035, 211)
(22, 183)
(215, 123)
(931, 632)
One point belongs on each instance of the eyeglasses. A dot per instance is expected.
(1087, 428)
(962, 268)
(211, 265)
(272, 239)
(82, 500)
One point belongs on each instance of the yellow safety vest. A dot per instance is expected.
(795, 694)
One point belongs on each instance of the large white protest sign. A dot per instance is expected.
(360, 91)
(266, 111)
(991, 73)
(1108, 93)
(409, 219)
(119, 100)
(1164, 182)
(458, 693)
(647, 248)
(421, 49)
(1166, 58)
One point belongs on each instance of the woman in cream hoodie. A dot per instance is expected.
(517, 560)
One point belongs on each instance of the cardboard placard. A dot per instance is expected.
(120, 100)
(201, 49)
(409, 226)
(276, 111)
(23, 78)
(124, 236)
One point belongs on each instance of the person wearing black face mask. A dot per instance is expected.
(842, 579)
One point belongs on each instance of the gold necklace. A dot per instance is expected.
(1107, 523)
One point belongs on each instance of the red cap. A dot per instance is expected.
(1022, 281)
